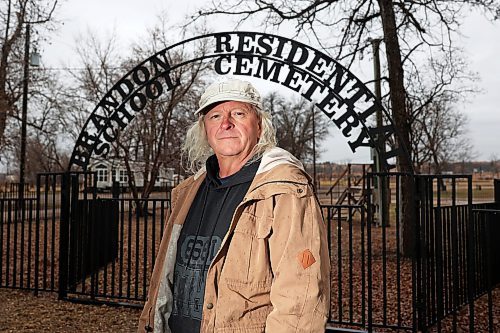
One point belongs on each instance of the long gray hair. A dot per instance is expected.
(196, 148)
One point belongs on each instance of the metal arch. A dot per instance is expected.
(334, 89)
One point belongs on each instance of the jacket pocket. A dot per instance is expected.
(247, 259)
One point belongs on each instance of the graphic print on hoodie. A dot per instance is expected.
(206, 225)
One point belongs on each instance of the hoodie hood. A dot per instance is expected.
(277, 156)
(246, 174)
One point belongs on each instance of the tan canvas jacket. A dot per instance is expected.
(271, 273)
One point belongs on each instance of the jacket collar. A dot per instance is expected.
(277, 166)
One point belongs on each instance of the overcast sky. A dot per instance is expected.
(130, 19)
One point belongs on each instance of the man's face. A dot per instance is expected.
(233, 129)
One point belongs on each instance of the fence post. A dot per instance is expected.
(64, 236)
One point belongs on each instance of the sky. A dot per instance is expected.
(130, 21)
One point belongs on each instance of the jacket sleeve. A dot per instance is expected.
(146, 319)
(298, 250)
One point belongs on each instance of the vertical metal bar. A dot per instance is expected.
(465, 243)
(9, 222)
(137, 243)
(439, 256)
(417, 262)
(2, 224)
(480, 257)
(432, 249)
(162, 217)
(384, 263)
(424, 306)
(446, 256)
(460, 244)
(363, 269)
(339, 260)
(37, 231)
(471, 261)
(53, 233)
(106, 207)
(329, 232)
(153, 236)
(113, 264)
(351, 284)
(489, 263)
(129, 249)
(398, 255)
(369, 256)
(145, 249)
(80, 222)
(30, 242)
(455, 250)
(64, 236)
(92, 254)
(122, 244)
(45, 233)
(329, 229)
(349, 184)
(23, 242)
(19, 209)
(477, 267)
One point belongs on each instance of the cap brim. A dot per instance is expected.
(216, 100)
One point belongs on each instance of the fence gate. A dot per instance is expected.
(372, 282)
(108, 243)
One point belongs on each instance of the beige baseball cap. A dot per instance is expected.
(230, 90)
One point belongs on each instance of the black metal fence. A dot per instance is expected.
(118, 270)
(91, 249)
(371, 280)
(454, 266)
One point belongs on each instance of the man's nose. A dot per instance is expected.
(226, 123)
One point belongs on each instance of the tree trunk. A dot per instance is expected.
(401, 121)
(4, 109)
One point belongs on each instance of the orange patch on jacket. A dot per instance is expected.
(306, 258)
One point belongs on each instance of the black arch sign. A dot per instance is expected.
(312, 74)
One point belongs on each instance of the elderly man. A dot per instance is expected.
(245, 246)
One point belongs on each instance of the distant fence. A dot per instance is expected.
(11, 190)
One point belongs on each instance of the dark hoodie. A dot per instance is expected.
(206, 225)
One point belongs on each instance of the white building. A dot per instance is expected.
(109, 171)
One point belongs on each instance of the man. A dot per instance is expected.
(245, 246)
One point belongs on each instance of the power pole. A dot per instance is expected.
(22, 164)
(382, 181)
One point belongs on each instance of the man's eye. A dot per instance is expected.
(239, 113)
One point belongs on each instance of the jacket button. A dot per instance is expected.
(210, 306)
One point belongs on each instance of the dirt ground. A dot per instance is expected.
(21, 311)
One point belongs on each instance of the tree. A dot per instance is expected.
(153, 139)
(440, 136)
(438, 132)
(46, 150)
(343, 28)
(14, 15)
(293, 122)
